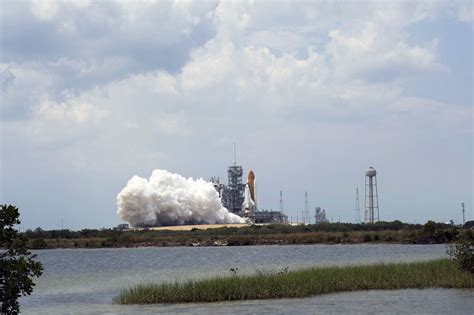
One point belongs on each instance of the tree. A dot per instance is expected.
(430, 228)
(463, 252)
(17, 264)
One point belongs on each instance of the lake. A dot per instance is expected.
(85, 280)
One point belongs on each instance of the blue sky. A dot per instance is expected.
(313, 93)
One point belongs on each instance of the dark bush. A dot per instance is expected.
(17, 265)
(463, 253)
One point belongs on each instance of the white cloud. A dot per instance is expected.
(23, 84)
(208, 66)
(45, 10)
(466, 12)
(59, 124)
(228, 76)
(76, 113)
(314, 80)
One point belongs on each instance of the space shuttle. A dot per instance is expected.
(249, 205)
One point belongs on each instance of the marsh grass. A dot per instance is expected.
(302, 283)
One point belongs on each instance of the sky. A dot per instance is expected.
(311, 92)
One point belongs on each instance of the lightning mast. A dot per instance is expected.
(357, 207)
(306, 209)
(235, 159)
(281, 201)
(463, 211)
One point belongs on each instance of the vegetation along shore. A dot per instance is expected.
(442, 273)
(274, 234)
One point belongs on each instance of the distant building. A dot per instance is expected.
(320, 215)
(265, 216)
(121, 227)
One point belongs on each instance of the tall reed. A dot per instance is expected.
(302, 283)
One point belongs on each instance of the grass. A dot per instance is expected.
(302, 283)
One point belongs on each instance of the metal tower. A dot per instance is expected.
(233, 193)
(281, 201)
(357, 207)
(463, 217)
(371, 196)
(306, 209)
(235, 158)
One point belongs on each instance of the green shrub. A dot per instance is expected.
(463, 253)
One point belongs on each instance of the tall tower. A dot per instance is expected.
(233, 193)
(463, 217)
(306, 210)
(371, 196)
(281, 202)
(357, 207)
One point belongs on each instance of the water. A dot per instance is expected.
(86, 280)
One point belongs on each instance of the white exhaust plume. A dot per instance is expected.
(170, 199)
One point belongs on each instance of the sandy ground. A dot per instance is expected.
(190, 227)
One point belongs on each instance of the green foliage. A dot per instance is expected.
(429, 228)
(281, 234)
(469, 225)
(302, 283)
(228, 231)
(438, 233)
(463, 252)
(17, 264)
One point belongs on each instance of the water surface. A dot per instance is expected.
(85, 280)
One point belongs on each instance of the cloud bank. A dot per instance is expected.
(170, 199)
(300, 85)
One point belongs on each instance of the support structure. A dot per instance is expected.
(232, 194)
(320, 216)
(371, 196)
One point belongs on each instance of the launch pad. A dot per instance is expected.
(241, 199)
(191, 227)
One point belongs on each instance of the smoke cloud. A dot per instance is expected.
(170, 199)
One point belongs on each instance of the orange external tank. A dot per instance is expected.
(251, 182)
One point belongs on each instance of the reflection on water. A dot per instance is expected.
(86, 280)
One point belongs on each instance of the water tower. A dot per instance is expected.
(371, 196)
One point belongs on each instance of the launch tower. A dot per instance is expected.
(233, 194)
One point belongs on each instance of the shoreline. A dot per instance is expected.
(131, 240)
(263, 244)
(244, 235)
